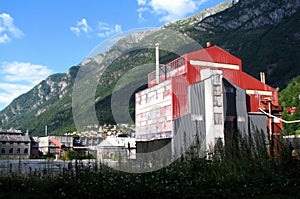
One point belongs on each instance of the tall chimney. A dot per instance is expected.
(208, 44)
(262, 77)
(157, 63)
(46, 130)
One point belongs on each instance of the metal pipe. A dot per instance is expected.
(270, 118)
(262, 77)
(46, 130)
(157, 63)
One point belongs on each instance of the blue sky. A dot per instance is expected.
(39, 38)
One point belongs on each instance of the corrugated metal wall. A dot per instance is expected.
(236, 106)
(258, 129)
(236, 117)
(197, 99)
(197, 110)
(179, 96)
(230, 112)
(183, 134)
(190, 129)
(241, 110)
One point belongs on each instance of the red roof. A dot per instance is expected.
(56, 142)
(214, 54)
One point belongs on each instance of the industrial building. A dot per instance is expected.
(203, 97)
(14, 144)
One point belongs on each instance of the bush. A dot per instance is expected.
(231, 173)
(71, 154)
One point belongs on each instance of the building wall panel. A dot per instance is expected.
(189, 132)
(180, 96)
(154, 113)
(258, 128)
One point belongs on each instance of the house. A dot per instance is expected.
(203, 98)
(54, 145)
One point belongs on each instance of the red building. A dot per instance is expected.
(204, 96)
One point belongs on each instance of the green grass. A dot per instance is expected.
(242, 174)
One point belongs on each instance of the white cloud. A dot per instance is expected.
(140, 11)
(142, 2)
(7, 29)
(20, 71)
(4, 39)
(18, 78)
(9, 91)
(81, 26)
(168, 10)
(106, 30)
(102, 29)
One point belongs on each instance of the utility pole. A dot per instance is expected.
(271, 129)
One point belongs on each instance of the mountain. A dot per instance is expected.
(48, 103)
(263, 34)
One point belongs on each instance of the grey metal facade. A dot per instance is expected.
(237, 131)
(239, 125)
(190, 129)
(258, 130)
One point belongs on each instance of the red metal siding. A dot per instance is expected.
(179, 96)
(247, 82)
(193, 75)
(253, 102)
(214, 54)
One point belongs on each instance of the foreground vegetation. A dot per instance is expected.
(227, 176)
(290, 97)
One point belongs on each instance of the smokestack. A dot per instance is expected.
(157, 63)
(208, 44)
(262, 77)
(46, 131)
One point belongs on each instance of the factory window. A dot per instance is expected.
(18, 151)
(217, 79)
(11, 150)
(3, 150)
(217, 90)
(217, 101)
(218, 118)
(3, 142)
(26, 151)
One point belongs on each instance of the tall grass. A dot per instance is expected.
(243, 169)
